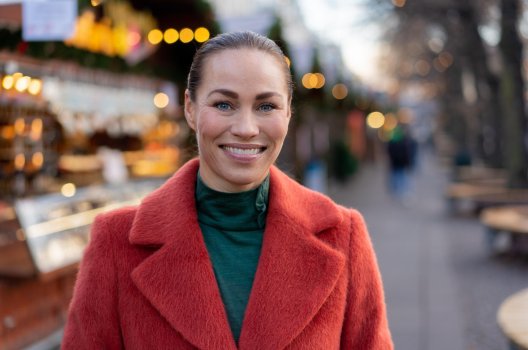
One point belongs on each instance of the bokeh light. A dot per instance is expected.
(306, 80)
(390, 122)
(8, 82)
(422, 67)
(186, 35)
(155, 36)
(445, 59)
(37, 159)
(375, 120)
(36, 129)
(340, 91)
(201, 34)
(170, 36)
(320, 80)
(313, 80)
(20, 126)
(35, 86)
(161, 100)
(20, 161)
(68, 190)
(22, 84)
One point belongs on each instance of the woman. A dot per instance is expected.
(230, 252)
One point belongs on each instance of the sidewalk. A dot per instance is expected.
(442, 287)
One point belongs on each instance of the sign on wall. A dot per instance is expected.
(48, 20)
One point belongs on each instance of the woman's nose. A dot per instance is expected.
(245, 125)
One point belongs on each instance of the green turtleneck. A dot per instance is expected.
(233, 225)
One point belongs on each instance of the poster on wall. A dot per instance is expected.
(48, 20)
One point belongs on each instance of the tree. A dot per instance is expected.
(431, 30)
(512, 96)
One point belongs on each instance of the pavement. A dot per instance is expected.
(442, 286)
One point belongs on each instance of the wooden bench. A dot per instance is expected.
(474, 173)
(512, 318)
(509, 219)
(465, 192)
(481, 196)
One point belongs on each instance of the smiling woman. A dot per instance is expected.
(240, 123)
(230, 253)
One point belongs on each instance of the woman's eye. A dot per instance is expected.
(266, 107)
(223, 106)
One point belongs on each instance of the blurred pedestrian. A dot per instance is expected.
(402, 152)
(230, 252)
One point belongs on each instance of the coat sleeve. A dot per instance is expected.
(93, 321)
(365, 324)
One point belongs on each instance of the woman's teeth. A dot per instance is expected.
(244, 151)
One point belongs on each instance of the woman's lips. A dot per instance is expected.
(243, 152)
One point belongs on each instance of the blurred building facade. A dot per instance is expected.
(87, 124)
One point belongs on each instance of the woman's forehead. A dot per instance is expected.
(241, 67)
(241, 55)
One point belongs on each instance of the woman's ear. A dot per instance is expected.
(189, 110)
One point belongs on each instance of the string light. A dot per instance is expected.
(201, 34)
(171, 36)
(186, 35)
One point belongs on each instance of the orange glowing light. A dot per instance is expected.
(390, 122)
(36, 129)
(35, 86)
(20, 126)
(37, 159)
(201, 34)
(171, 36)
(161, 100)
(20, 161)
(375, 120)
(155, 36)
(306, 80)
(320, 80)
(339, 91)
(186, 35)
(22, 84)
(8, 82)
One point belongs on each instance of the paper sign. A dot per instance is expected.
(48, 20)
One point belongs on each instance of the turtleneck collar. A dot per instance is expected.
(241, 211)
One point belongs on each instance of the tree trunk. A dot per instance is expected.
(487, 86)
(512, 96)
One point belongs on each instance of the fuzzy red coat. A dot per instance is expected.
(146, 280)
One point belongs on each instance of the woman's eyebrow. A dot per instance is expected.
(225, 92)
(266, 95)
(232, 94)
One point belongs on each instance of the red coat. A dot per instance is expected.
(146, 281)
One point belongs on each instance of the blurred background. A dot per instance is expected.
(414, 112)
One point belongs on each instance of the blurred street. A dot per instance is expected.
(443, 288)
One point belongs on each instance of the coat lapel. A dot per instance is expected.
(178, 278)
(296, 271)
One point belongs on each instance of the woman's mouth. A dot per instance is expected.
(243, 151)
(237, 150)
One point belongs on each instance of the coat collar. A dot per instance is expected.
(296, 270)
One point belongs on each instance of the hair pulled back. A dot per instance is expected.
(229, 41)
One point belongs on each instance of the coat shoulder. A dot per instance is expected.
(114, 225)
(300, 204)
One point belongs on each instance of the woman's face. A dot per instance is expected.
(240, 117)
